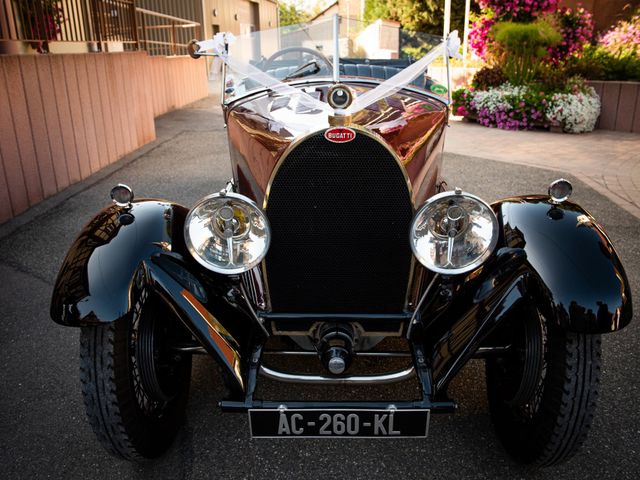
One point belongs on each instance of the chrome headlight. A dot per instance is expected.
(454, 232)
(227, 233)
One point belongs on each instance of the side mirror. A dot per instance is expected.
(193, 48)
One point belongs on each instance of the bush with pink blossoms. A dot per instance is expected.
(519, 10)
(624, 38)
(576, 27)
(479, 36)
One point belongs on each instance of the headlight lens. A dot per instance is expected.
(227, 233)
(454, 232)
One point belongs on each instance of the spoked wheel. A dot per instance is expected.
(542, 393)
(135, 386)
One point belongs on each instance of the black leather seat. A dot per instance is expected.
(381, 72)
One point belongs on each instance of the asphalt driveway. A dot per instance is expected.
(43, 430)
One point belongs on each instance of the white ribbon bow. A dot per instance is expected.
(450, 46)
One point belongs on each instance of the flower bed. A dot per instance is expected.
(521, 107)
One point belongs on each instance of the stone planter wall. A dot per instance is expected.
(620, 105)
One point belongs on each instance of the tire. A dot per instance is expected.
(135, 388)
(542, 395)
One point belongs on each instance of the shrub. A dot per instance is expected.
(522, 47)
(624, 38)
(550, 78)
(596, 63)
(488, 77)
(521, 107)
(507, 107)
(520, 10)
(479, 36)
(574, 112)
(576, 28)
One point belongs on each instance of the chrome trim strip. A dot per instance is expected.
(414, 320)
(314, 326)
(336, 48)
(382, 379)
(355, 354)
(251, 95)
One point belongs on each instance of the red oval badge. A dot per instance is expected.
(339, 134)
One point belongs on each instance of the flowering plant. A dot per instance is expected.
(576, 27)
(522, 107)
(624, 38)
(479, 36)
(507, 107)
(518, 9)
(574, 112)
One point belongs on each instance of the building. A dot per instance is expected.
(240, 16)
(352, 9)
(236, 16)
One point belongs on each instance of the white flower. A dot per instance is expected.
(576, 113)
(494, 98)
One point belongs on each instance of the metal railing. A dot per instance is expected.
(161, 34)
(103, 25)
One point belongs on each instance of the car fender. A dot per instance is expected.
(578, 278)
(95, 282)
(121, 252)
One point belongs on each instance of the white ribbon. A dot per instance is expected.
(450, 46)
(217, 44)
(453, 45)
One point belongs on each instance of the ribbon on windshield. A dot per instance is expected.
(218, 44)
(450, 47)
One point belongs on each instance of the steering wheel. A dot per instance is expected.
(301, 50)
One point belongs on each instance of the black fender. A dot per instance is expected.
(465, 310)
(578, 279)
(119, 253)
(95, 282)
(555, 256)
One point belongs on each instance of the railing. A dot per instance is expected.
(101, 25)
(161, 34)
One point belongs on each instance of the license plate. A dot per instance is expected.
(308, 423)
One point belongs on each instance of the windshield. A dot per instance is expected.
(376, 51)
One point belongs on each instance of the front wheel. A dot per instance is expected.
(542, 394)
(135, 386)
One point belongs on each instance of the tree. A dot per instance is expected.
(418, 15)
(292, 13)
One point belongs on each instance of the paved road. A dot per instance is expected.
(43, 431)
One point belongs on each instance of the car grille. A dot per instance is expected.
(340, 215)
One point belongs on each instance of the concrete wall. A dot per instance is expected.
(64, 117)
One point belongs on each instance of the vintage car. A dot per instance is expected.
(338, 241)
